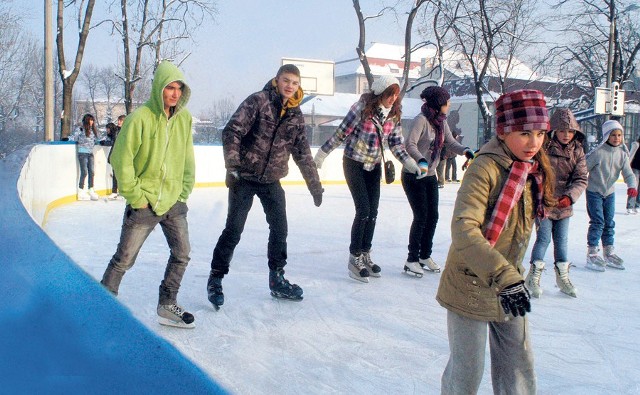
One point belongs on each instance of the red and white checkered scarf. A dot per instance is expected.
(510, 194)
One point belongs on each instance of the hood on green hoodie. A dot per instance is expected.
(166, 73)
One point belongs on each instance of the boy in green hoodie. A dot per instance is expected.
(154, 163)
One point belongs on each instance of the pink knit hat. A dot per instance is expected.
(521, 110)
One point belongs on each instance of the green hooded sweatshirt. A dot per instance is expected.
(153, 157)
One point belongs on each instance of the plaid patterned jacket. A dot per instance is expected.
(361, 138)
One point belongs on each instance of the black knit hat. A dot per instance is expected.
(435, 97)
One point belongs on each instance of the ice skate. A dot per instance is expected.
(595, 261)
(281, 288)
(611, 259)
(413, 268)
(373, 269)
(214, 291)
(357, 268)
(83, 194)
(532, 281)
(174, 315)
(93, 195)
(113, 196)
(429, 265)
(562, 278)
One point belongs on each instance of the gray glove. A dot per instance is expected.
(319, 158)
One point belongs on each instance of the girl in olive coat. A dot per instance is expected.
(482, 286)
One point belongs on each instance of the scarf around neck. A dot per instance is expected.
(437, 120)
(511, 193)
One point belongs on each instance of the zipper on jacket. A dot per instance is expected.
(163, 168)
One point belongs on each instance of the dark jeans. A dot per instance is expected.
(136, 227)
(440, 171)
(365, 190)
(240, 201)
(86, 168)
(451, 165)
(423, 198)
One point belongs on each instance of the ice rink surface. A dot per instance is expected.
(387, 336)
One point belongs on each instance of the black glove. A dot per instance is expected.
(469, 154)
(317, 197)
(231, 179)
(515, 300)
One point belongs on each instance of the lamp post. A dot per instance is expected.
(613, 15)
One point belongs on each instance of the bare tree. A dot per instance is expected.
(219, 113)
(360, 49)
(584, 58)
(18, 65)
(158, 26)
(481, 30)
(69, 76)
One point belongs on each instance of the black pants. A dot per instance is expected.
(240, 201)
(423, 198)
(365, 190)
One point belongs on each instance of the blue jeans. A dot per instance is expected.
(601, 224)
(86, 168)
(136, 227)
(559, 230)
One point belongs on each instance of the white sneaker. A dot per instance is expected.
(430, 265)
(113, 196)
(631, 211)
(83, 195)
(413, 268)
(93, 195)
(174, 315)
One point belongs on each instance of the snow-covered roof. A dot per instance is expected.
(339, 104)
(388, 59)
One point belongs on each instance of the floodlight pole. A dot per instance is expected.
(48, 73)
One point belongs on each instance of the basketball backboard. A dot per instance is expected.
(316, 76)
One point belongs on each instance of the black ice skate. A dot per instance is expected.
(281, 288)
(214, 291)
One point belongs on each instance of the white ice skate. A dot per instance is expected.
(413, 268)
(429, 265)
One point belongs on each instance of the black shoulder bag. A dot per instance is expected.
(389, 169)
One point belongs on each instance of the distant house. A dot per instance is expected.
(323, 113)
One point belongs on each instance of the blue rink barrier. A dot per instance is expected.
(61, 332)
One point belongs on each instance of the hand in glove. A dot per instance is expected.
(317, 197)
(632, 192)
(469, 154)
(465, 165)
(515, 299)
(564, 202)
(232, 178)
(319, 158)
(412, 167)
(424, 168)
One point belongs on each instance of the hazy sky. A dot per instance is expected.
(236, 54)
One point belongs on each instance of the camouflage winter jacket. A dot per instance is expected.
(257, 142)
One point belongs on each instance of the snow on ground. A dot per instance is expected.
(388, 336)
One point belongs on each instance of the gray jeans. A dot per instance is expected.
(511, 356)
(136, 227)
